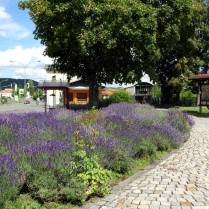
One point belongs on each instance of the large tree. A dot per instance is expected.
(188, 54)
(100, 41)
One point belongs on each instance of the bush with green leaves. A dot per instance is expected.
(121, 96)
(146, 148)
(104, 102)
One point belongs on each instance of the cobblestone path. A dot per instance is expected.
(179, 181)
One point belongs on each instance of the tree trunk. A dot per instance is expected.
(178, 98)
(93, 90)
(166, 95)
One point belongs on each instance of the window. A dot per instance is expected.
(82, 97)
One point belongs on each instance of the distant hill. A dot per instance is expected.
(19, 82)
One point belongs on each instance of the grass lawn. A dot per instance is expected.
(193, 110)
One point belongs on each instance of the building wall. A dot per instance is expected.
(57, 76)
(74, 99)
(130, 90)
(55, 100)
(6, 93)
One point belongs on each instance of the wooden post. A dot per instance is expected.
(199, 97)
(45, 99)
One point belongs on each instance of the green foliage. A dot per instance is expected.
(146, 148)
(156, 91)
(96, 179)
(21, 203)
(6, 134)
(4, 100)
(74, 192)
(38, 94)
(43, 185)
(31, 89)
(8, 192)
(89, 117)
(121, 96)
(54, 186)
(26, 202)
(121, 165)
(104, 102)
(162, 144)
(188, 50)
(78, 107)
(110, 40)
(187, 93)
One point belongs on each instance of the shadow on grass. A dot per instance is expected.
(193, 110)
(197, 114)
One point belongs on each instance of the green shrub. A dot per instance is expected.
(121, 96)
(104, 102)
(163, 144)
(121, 166)
(78, 107)
(8, 194)
(73, 192)
(121, 163)
(23, 203)
(146, 148)
(96, 179)
(55, 186)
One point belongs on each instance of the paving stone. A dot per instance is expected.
(198, 203)
(154, 207)
(164, 207)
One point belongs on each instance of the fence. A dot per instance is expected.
(184, 101)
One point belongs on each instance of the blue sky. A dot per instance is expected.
(17, 44)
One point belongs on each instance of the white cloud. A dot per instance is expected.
(145, 78)
(24, 63)
(9, 28)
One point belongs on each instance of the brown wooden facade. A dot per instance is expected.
(75, 93)
(203, 90)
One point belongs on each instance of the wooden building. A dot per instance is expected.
(141, 92)
(59, 92)
(203, 90)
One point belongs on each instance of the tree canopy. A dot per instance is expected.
(102, 41)
(98, 41)
(188, 55)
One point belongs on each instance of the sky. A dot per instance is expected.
(17, 44)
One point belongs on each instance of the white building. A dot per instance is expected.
(6, 93)
(55, 97)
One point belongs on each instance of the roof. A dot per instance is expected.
(200, 77)
(60, 84)
(78, 82)
(138, 84)
(107, 92)
(8, 91)
(53, 83)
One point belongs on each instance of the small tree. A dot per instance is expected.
(30, 88)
